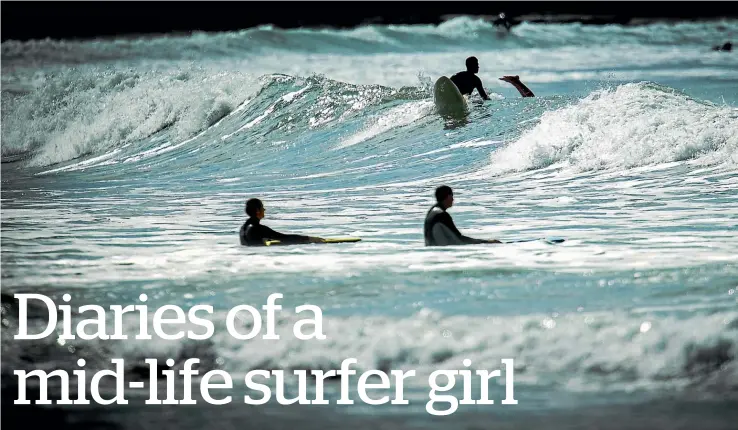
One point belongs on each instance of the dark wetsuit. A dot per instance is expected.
(253, 234)
(440, 230)
(467, 82)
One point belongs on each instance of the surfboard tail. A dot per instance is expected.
(327, 240)
(552, 239)
(342, 240)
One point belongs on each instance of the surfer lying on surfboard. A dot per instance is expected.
(253, 233)
(467, 81)
(439, 229)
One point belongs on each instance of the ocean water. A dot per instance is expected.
(127, 162)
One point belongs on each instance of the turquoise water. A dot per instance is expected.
(127, 164)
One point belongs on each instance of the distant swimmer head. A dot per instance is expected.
(472, 64)
(255, 208)
(445, 196)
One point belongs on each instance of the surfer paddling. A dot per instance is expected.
(253, 233)
(439, 229)
(467, 81)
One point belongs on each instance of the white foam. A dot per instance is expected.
(578, 351)
(630, 126)
(91, 111)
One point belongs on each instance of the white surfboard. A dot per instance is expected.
(448, 98)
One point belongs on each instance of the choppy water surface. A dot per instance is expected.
(127, 163)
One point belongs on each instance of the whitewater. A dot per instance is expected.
(127, 163)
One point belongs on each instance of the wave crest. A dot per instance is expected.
(629, 126)
(80, 113)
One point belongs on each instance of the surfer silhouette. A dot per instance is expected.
(253, 233)
(439, 228)
(467, 81)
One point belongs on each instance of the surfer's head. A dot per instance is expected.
(472, 64)
(255, 208)
(445, 196)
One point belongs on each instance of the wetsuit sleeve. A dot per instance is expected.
(268, 233)
(480, 88)
(446, 220)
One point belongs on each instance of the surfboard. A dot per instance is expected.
(551, 240)
(448, 98)
(342, 239)
(327, 240)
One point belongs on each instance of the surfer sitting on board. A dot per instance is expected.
(439, 229)
(467, 81)
(254, 234)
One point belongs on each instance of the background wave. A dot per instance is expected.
(470, 32)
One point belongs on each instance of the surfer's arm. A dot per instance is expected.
(480, 89)
(292, 238)
(270, 234)
(446, 220)
(515, 81)
(471, 240)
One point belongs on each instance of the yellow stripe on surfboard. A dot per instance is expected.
(342, 239)
(327, 240)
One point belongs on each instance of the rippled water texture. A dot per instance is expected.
(126, 165)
